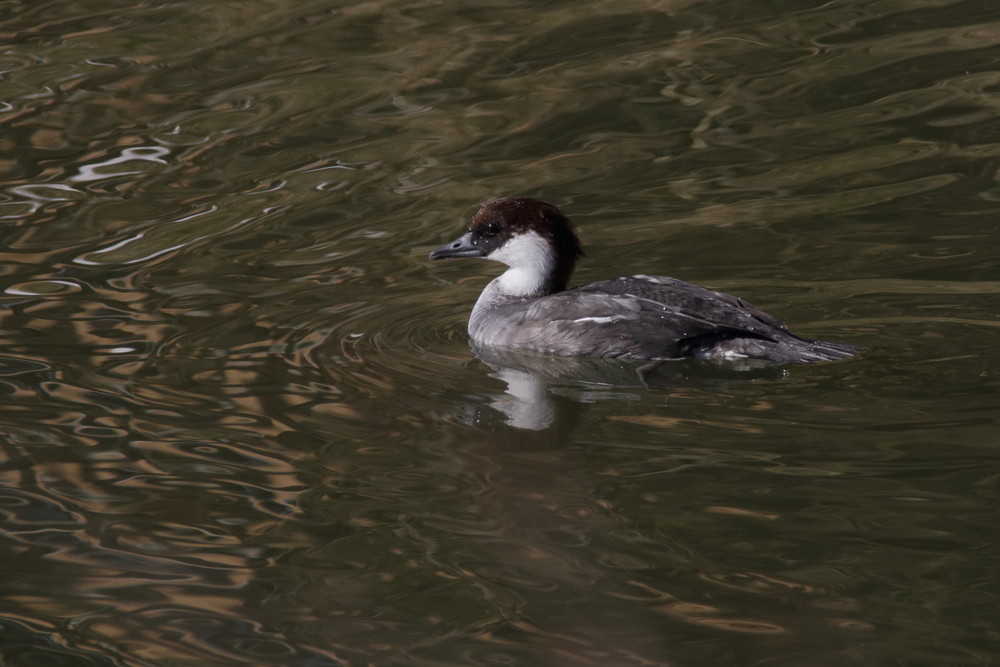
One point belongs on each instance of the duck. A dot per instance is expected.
(530, 307)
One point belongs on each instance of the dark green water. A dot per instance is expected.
(241, 423)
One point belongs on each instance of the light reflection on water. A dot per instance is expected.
(243, 424)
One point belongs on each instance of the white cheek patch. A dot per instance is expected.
(531, 260)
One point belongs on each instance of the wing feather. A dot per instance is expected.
(644, 317)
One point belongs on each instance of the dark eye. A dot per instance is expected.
(491, 229)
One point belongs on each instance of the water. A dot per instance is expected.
(242, 423)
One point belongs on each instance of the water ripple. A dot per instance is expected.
(236, 391)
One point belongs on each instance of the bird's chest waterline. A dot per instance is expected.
(490, 322)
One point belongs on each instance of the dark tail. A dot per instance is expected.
(817, 350)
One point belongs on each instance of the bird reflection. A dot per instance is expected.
(541, 388)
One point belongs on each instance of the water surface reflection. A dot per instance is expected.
(242, 423)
